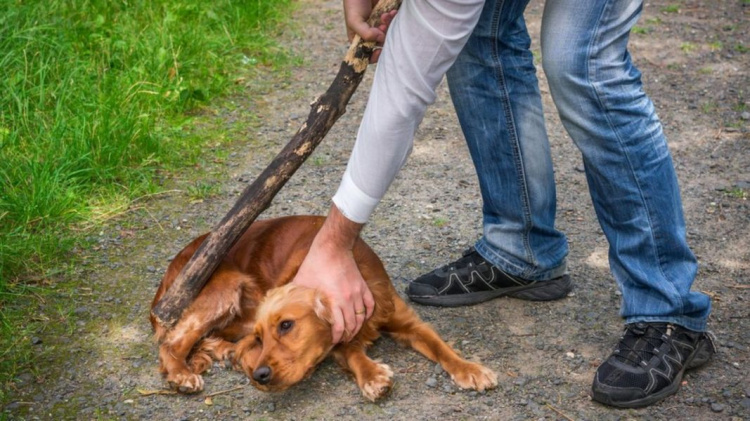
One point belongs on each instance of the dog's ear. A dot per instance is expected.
(322, 308)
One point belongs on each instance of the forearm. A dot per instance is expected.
(423, 42)
(338, 232)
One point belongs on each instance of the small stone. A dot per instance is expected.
(270, 407)
(431, 382)
(12, 406)
(570, 355)
(151, 269)
(745, 115)
(745, 403)
(521, 381)
(438, 369)
(580, 168)
(36, 340)
(717, 407)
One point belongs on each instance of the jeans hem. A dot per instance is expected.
(520, 269)
(694, 324)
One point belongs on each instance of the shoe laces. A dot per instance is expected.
(641, 341)
(469, 258)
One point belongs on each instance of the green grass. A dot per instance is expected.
(737, 193)
(91, 100)
(440, 222)
(709, 107)
(688, 47)
(94, 97)
(201, 190)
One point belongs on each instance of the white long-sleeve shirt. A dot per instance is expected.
(423, 42)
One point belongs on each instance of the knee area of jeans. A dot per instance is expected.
(565, 70)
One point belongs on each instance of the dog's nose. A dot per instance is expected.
(262, 374)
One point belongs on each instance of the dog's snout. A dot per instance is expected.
(262, 374)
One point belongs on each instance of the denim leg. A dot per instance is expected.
(495, 91)
(599, 95)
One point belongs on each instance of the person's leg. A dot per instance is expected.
(495, 91)
(599, 96)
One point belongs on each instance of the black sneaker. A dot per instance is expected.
(471, 280)
(649, 362)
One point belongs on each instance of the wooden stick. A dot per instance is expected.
(223, 392)
(258, 195)
(560, 413)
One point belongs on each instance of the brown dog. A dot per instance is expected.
(276, 332)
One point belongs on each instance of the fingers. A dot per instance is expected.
(385, 22)
(386, 19)
(338, 328)
(369, 303)
(368, 33)
(350, 318)
(355, 311)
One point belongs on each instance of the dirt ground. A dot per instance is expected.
(695, 64)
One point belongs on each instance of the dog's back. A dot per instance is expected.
(271, 251)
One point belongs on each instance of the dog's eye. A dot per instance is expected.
(285, 326)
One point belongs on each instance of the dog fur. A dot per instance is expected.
(276, 332)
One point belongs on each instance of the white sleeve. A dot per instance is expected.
(422, 43)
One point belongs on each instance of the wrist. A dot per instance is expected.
(338, 231)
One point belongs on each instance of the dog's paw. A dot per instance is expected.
(379, 384)
(474, 376)
(185, 382)
(200, 362)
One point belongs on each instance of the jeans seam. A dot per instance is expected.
(591, 69)
(512, 134)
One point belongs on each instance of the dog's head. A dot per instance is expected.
(292, 336)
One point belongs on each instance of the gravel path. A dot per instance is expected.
(695, 65)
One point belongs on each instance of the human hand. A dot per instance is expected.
(330, 268)
(356, 14)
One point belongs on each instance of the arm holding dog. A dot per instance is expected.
(402, 90)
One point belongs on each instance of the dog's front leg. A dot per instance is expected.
(216, 305)
(374, 379)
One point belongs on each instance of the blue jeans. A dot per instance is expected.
(598, 93)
